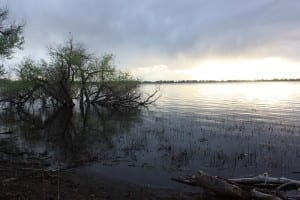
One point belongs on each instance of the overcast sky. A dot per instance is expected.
(168, 39)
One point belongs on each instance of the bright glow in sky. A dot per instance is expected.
(251, 69)
(226, 69)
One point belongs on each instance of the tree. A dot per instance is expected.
(2, 70)
(74, 74)
(10, 37)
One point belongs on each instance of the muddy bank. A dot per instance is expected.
(29, 181)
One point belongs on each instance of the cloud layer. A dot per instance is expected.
(174, 33)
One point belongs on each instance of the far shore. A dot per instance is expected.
(219, 81)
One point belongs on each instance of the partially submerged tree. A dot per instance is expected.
(74, 74)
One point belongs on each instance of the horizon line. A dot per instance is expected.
(222, 81)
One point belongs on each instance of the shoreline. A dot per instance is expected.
(217, 81)
(27, 181)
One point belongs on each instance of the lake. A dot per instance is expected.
(225, 129)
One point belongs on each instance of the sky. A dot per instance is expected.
(171, 39)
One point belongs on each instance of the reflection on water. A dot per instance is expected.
(228, 129)
(66, 136)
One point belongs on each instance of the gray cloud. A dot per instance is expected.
(152, 32)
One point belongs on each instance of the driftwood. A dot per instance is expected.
(259, 187)
(7, 180)
(5, 130)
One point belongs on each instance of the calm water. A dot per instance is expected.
(225, 129)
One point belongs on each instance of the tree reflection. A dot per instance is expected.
(67, 135)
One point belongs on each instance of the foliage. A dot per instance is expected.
(15, 92)
(2, 70)
(73, 73)
(10, 37)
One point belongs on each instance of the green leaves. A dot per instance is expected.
(10, 35)
(2, 71)
(29, 70)
(10, 38)
(71, 74)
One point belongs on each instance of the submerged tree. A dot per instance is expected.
(74, 74)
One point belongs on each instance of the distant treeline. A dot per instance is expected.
(219, 81)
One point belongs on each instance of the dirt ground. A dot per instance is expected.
(27, 181)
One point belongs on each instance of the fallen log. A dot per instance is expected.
(260, 187)
(9, 180)
(264, 178)
(220, 186)
(5, 130)
(263, 196)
